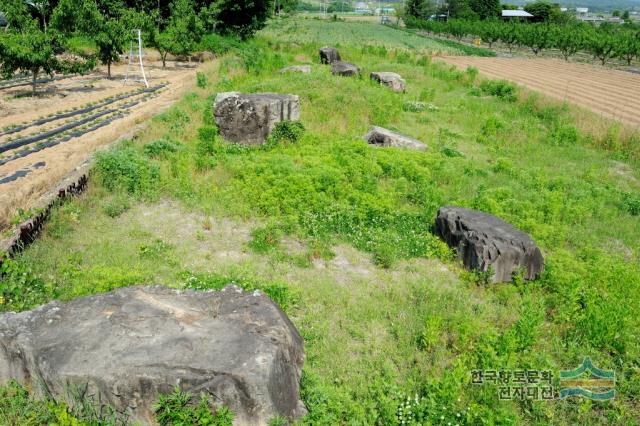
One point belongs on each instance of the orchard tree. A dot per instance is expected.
(489, 32)
(510, 34)
(536, 37)
(627, 46)
(185, 28)
(110, 39)
(601, 43)
(567, 39)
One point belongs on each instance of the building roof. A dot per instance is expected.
(516, 14)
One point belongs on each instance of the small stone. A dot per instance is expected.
(305, 69)
(383, 137)
(345, 69)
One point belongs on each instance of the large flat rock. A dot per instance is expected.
(250, 118)
(485, 241)
(133, 343)
(380, 136)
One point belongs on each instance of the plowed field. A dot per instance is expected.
(610, 93)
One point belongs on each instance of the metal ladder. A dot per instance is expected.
(136, 53)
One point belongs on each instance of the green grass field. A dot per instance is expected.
(343, 33)
(339, 233)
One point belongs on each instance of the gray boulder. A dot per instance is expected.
(329, 55)
(131, 344)
(483, 240)
(305, 69)
(391, 79)
(383, 137)
(345, 69)
(250, 118)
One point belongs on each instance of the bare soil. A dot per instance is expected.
(31, 176)
(610, 93)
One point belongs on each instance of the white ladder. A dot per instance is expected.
(136, 53)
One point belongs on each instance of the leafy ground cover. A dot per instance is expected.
(339, 234)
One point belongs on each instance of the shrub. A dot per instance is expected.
(201, 80)
(217, 44)
(160, 148)
(21, 289)
(286, 132)
(500, 88)
(631, 203)
(125, 168)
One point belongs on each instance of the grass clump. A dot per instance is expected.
(116, 206)
(286, 132)
(177, 409)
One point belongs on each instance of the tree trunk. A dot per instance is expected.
(34, 82)
(108, 69)
(164, 60)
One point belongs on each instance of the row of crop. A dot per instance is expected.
(76, 111)
(604, 42)
(71, 130)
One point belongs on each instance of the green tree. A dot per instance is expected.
(510, 34)
(185, 28)
(627, 46)
(17, 15)
(35, 52)
(567, 39)
(110, 40)
(240, 17)
(625, 15)
(420, 9)
(490, 32)
(486, 9)
(536, 37)
(601, 43)
(543, 11)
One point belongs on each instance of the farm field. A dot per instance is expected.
(366, 34)
(339, 233)
(47, 136)
(610, 93)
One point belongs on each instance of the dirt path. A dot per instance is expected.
(610, 93)
(24, 180)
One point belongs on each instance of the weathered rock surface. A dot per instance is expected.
(391, 79)
(483, 240)
(305, 69)
(329, 55)
(384, 137)
(133, 343)
(345, 69)
(250, 118)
